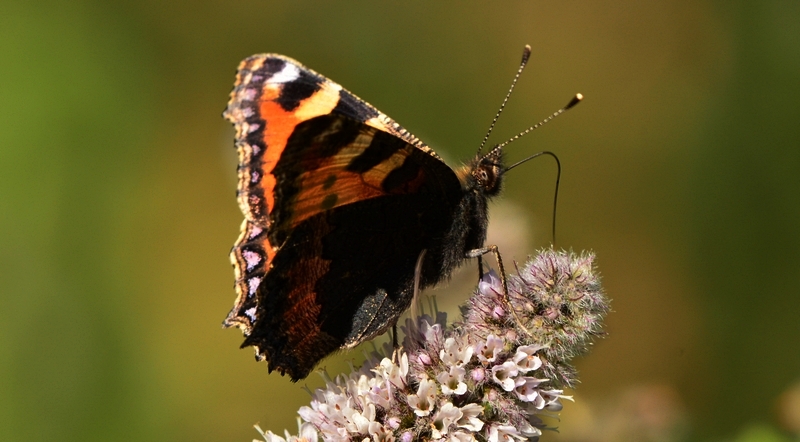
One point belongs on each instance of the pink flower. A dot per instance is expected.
(469, 417)
(504, 374)
(447, 415)
(526, 358)
(488, 350)
(526, 390)
(456, 352)
(422, 403)
(453, 381)
(504, 433)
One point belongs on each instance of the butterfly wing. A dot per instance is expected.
(325, 259)
(271, 96)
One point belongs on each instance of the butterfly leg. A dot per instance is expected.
(478, 253)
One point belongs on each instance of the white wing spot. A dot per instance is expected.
(287, 74)
(255, 231)
(251, 258)
(252, 285)
(248, 94)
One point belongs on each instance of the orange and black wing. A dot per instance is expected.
(271, 96)
(339, 202)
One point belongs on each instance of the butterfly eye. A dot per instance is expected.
(486, 176)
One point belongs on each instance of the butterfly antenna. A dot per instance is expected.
(526, 54)
(558, 181)
(575, 100)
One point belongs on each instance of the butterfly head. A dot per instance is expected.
(487, 173)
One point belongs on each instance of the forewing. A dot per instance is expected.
(271, 96)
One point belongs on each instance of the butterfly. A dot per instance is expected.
(340, 203)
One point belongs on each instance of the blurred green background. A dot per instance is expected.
(681, 171)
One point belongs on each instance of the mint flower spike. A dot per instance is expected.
(489, 377)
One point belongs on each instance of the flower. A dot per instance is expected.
(461, 436)
(488, 350)
(456, 352)
(504, 374)
(444, 418)
(489, 377)
(453, 381)
(394, 373)
(527, 391)
(307, 433)
(478, 374)
(469, 417)
(527, 359)
(423, 401)
(504, 433)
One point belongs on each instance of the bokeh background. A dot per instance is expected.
(681, 171)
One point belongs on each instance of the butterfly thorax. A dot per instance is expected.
(480, 180)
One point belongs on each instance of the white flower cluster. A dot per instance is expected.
(478, 380)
